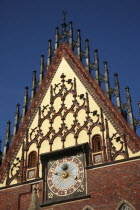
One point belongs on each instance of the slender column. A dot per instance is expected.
(22, 163)
(108, 142)
(130, 111)
(96, 66)
(117, 92)
(33, 92)
(25, 103)
(106, 76)
(103, 138)
(70, 35)
(41, 75)
(16, 121)
(87, 55)
(139, 107)
(37, 172)
(78, 44)
(25, 156)
(1, 155)
(7, 138)
(125, 144)
(56, 38)
(49, 53)
(64, 25)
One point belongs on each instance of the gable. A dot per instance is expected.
(69, 109)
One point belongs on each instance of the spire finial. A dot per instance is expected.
(106, 79)
(129, 108)
(34, 83)
(87, 56)
(64, 25)
(96, 66)
(139, 107)
(0, 145)
(0, 152)
(7, 138)
(117, 91)
(64, 13)
(17, 118)
(25, 102)
(41, 74)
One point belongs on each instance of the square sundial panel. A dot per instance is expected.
(97, 158)
(31, 173)
(65, 175)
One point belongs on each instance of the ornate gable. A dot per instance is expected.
(69, 109)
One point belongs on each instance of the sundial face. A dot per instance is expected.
(65, 176)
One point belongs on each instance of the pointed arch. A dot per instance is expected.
(125, 205)
(87, 207)
(32, 160)
(96, 143)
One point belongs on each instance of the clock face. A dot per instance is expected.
(65, 176)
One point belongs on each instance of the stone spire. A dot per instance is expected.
(41, 75)
(0, 152)
(7, 138)
(129, 108)
(17, 118)
(33, 91)
(25, 103)
(106, 76)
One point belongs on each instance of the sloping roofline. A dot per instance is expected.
(111, 112)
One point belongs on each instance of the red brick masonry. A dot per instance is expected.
(107, 186)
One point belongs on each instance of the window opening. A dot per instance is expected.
(32, 159)
(96, 143)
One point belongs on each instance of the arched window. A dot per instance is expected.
(125, 205)
(96, 143)
(32, 159)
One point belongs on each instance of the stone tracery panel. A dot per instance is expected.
(61, 119)
(54, 114)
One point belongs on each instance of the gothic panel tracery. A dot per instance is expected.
(58, 117)
(70, 114)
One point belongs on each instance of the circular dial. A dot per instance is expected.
(65, 176)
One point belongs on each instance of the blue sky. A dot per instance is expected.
(112, 26)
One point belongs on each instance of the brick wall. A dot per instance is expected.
(17, 198)
(107, 186)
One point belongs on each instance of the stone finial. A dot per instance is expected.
(41, 74)
(139, 107)
(33, 91)
(64, 25)
(49, 53)
(129, 108)
(106, 79)
(78, 44)
(87, 55)
(1, 155)
(117, 92)
(96, 66)
(56, 38)
(25, 103)
(70, 34)
(17, 118)
(7, 138)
